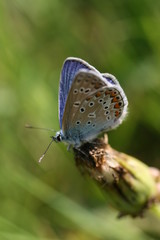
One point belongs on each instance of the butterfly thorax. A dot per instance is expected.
(68, 137)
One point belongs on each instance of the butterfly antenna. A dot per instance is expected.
(46, 129)
(40, 159)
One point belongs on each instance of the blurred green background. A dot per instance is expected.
(52, 200)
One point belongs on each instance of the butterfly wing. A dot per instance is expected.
(100, 109)
(70, 68)
(110, 78)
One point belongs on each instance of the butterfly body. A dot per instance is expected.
(89, 102)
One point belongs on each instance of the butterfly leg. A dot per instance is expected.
(83, 153)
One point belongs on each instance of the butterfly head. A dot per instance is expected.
(58, 137)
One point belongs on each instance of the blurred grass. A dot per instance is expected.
(52, 200)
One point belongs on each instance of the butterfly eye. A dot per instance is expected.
(59, 138)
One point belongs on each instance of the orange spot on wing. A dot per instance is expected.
(88, 98)
(113, 94)
(98, 94)
(117, 113)
(97, 85)
(107, 92)
(114, 99)
(116, 105)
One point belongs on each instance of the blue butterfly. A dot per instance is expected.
(90, 102)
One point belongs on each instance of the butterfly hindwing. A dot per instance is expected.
(88, 113)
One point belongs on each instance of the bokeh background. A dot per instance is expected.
(52, 200)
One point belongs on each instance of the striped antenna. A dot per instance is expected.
(40, 159)
(40, 128)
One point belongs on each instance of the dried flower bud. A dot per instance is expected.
(126, 181)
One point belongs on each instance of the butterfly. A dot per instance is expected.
(90, 103)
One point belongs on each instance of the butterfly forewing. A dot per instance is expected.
(70, 68)
(84, 84)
